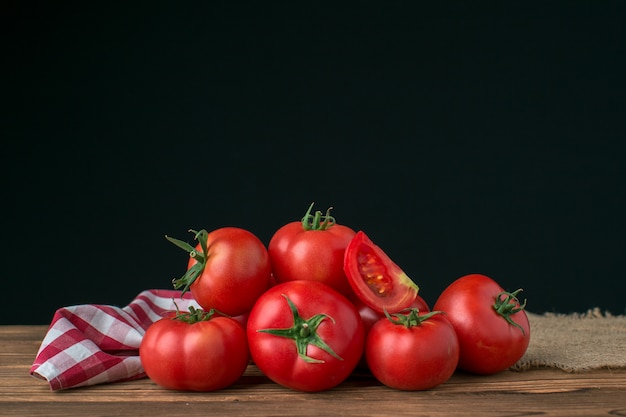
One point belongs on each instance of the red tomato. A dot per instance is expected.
(375, 278)
(312, 250)
(491, 324)
(305, 336)
(228, 270)
(370, 317)
(412, 350)
(204, 355)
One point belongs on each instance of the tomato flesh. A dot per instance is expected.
(375, 279)
(374, 273)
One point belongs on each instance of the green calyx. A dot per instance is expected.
(195, 271)
(508, 306)
(409, 317)
(304, 333)
(194, 315)
(317, 221)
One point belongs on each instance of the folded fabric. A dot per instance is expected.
(93, 344)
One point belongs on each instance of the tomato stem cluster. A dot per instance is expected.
(409, 317)
(195, 271)
(317, 221)
(508, 306)
(194, 315)
(304, 333)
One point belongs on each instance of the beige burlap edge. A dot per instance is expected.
(575, 342)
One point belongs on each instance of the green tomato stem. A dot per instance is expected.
(509, 306)
(304, 333)
(201, 257)
(317, 221)
(195, 315)
(409, 317)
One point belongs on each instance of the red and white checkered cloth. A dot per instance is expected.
(93, 344)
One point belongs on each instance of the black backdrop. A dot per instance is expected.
(462, 138)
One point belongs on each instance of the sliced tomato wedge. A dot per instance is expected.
(375, 278)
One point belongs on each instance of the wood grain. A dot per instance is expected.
(535, 392)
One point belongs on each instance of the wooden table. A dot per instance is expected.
(544, 392)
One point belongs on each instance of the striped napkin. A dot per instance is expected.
(94, 344)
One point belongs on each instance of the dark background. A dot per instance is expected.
(461, 137)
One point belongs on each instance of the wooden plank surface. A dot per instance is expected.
(536, 392)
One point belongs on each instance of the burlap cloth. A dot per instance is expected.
(575, 342)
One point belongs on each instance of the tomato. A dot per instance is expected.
(375, 278)
(491, 324)
(305, 336)
(228, 270)
(412, 350)
(311, 249)
(196, 351)
(370, 317)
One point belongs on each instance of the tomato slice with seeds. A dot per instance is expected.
(375, 278)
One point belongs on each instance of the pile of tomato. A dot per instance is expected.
(317, 303)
